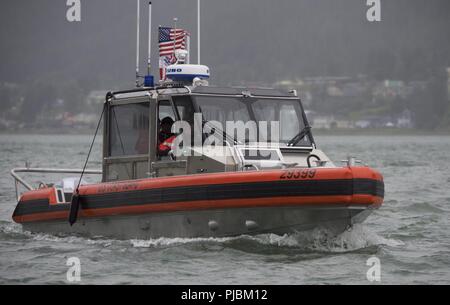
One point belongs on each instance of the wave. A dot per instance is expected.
(425, 207)
(9, 228)
(164, 242)
(318, 240)
(14, 231)
(405, 163)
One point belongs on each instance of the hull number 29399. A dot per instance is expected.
(298, 174)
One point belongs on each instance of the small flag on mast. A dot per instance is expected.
(170, 39)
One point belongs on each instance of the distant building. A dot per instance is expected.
(358, 102)
(392, 89)
(405, 120)
(322, 122)
(363, 124)
(329, 122)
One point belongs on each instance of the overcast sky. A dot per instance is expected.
(242, 40)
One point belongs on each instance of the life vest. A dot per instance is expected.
(166, 146)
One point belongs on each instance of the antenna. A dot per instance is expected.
(149, 65)
(198, 31)
(137, 42)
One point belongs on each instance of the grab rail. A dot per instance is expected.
(19, 180)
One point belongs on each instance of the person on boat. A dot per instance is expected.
(165, 137)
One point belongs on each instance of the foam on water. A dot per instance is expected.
(359, 237)
(14, 230)
(10, 228)
(317, 240)
(323, 241)
(168, 242)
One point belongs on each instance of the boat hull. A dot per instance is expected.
(224, 204)
(212, 223)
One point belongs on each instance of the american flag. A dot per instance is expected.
(168, 37)
(169, 41)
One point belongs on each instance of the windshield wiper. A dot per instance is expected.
(299, 136)
(219, 131)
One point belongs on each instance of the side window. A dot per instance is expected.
(186, 111)
(129, 130)
(166, 118)
(165, 110)
(185, 108)
(289, 126)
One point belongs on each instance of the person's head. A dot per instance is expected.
(166, 125)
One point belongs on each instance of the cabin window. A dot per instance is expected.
(129, 130)
(223, 109)
(185, 108)
(165, 110)
(287, 112)
(289, 124)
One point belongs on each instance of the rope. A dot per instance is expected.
(90, 149)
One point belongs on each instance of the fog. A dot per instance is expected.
(243, 41)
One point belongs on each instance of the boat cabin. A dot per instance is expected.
(270, 131)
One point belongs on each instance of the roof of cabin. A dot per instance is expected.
(239, 90)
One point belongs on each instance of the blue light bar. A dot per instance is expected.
(149, 81)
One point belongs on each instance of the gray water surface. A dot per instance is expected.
(409, 234)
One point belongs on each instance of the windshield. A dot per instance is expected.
(257, 115)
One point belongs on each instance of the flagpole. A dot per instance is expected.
(188, 38)
(198, 31)
(159, 55)
(137, 42)
(175, 36)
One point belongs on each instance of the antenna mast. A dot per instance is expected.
(149, 65)
(198, 31)
(137, 42)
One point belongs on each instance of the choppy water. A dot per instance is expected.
(409, 234)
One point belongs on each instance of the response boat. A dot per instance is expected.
(212, 181)
(288, 188)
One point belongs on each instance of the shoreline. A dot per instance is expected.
(380, 132)
(316, 132)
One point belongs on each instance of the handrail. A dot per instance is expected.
(241, 95)
(18, 179)
(236, 158)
